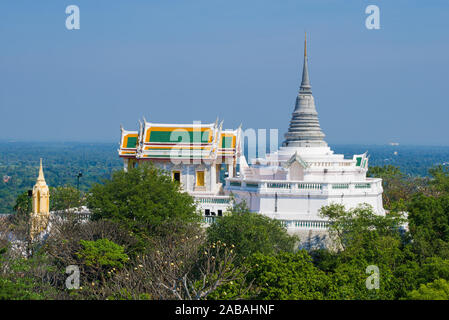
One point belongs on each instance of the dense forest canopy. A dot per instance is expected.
(19, 162)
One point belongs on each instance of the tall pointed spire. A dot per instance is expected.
(305, 130)
(41, 177)
(41, 205)
(305, 83)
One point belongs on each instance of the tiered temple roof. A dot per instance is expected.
(180, 141)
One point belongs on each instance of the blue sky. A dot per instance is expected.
(180, 61)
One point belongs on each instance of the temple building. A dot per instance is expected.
(40, 214)
(290, 184)
(197, 155)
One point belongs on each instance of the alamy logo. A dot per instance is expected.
(372, 282)
(73, 280)
(373, 20)
(72, 22)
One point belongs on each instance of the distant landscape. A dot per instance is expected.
(19, 162)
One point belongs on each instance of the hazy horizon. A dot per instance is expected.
(330, 144)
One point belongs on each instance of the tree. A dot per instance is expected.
(440, 179)
(177, 265)
(397, 186)
(364, 239)
(287, 276)
(102, 254)
(141, 199)
(250, 233)
(65, 237)
(65, 198)
(412, 274)
(429, 225)
(437, 290)
(23, 204)
(353, 228)
(351, 276)
(64, 244)
(18, 289)
(434, 268)
(25, 278)
(213, 267)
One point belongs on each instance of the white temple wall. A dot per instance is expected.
(251, 199)
(353, 201)
(292, 208)
(299, 207)
(333, 176)
(296, 172)
(188, 175)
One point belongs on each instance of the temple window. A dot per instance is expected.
(177, 176)
(200, 178)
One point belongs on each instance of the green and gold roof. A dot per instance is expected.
(128, 143)
(227, 143)
(179, 141)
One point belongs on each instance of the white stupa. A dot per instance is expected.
(293, 183)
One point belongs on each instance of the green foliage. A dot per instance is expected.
(363, 239)
(324, 259)
(100, 258)
(141, 199)
(411, 274)
(367, 239)
(440, 178)
(397, 186)
(358, 227)
(437, 290)
(287, 275)
(408, 277)
(232, 289)
(125, 294)
(18, 289)
(384, 172)
(22, 281)
(250, 233)
(349, 281)
(23, 204)
(429, 225)
(102, 253)
(64, 198)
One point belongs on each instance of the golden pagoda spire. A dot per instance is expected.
(41, 177)
(41, 205)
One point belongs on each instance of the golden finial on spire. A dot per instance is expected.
(41, 173)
